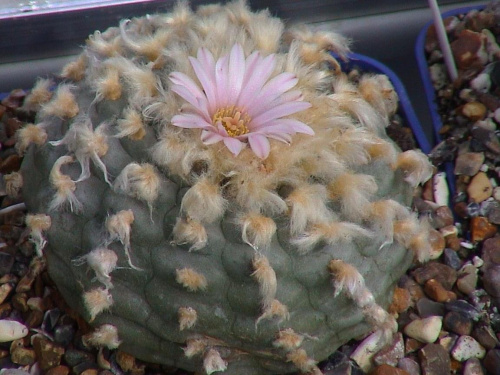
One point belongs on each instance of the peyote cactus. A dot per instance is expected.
(212, 192)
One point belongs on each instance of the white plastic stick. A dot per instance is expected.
(443, 40)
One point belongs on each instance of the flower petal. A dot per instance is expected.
(209, 137)
(190, 121)
(259, 145)
(234, 145)
(205, 76)
(285, 125)
(199, 104)
(221, 81)
(236, 71)
(281, 110)
(271, 91)
(256, 76)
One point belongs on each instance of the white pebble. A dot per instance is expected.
(466, 245)
(477, 262)
(366, 350)
(425, 330)
(481, 83)
(11, 330)
(496, 193)
(440, 189)
(466, 347)
(496, 115)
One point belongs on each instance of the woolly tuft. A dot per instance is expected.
(75, 70)
(414, 235)
(307, 207)
(266, 277)
(149, 46)
(86, 144)
(187, 317)
(102, 261)
(257, 230)
(96, 301)
(37, 223)
(379, 92)
(64, 185)
(275, 310)
(13, 183)
(213, 362)
(415, 165)
(131, 125)
(63, 103)
(354, 192)
(288, 340)
(190, 279)
(346, 278)
(105, 335)
(194, 347)
(302, 361)
(29, 134)
(39, 95)
(203, 202)
(119, 227)
(139, 181)
(191, 232)
(382, 215)
(330, 233)
(108, 86)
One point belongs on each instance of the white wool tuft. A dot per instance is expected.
(257, 230)
(203, 202)
(189, 231)
(119, 227)
(213, 362)
(13, 183)
(275, 310)
(62, 104)
(96, 301)
(29, 134)
(64, 185)
(104, 336)
(102, 261)
(37, 223)
(187, 317)
(266, 277)
(190, 279)
(346, 278)
(415, 165)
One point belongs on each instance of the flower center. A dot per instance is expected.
(233, 119)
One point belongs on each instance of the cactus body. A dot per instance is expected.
(218, 255)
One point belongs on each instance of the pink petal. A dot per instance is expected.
(234, 145)
(209, 137)
(221, 81)
(190, 121)
(285, 125)
(207, 81)
(257, 75)
(281, 110)
(199, 104)
(182, 79)
(282, 137)
(259, 145)
(236, 71)
(271, 91)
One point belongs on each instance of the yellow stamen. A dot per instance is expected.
(233, 119)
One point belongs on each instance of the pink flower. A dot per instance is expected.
(237, 103)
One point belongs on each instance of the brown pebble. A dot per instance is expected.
(11, 164)
(485, 336)
(392, 353)
(457, 323)
(482, 229)
(35, 319)
(437, 243)
(474, 111)
(5, 310)
(412, 345)
(446, 275)
(469, 163)
(125, 360)
(491, 251)
(460, 209)
(435, 290)
(388, 370)
(58, 370)
(468, 48)
(444, 216)
(90, 371)
(453, 242)
(21, 355)
(467, 279)
(435, 360)
(415, 290)
(492, 361)
(401, 300)
(48, 353)
(5, 290)
(480, 188)
(20, 302)
(473, 367)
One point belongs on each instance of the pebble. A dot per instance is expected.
(457, 323)
(58, 370)
(435, 290)
(434, 360)
(443, 217)
(427, 307)
(485, 336)
(464, 308)
(492, 362)
(391, 354)
(474, 111)
(48, 353)
(467, 279)
(365, 351)
(480, 188)
(5, 290)
(491, 280)
(467, 347)
(448, 341)
(425, 330)
(473, 367)
(12, 330)
(482, 229)
(412, 345)
(409, 365)
(437, 243)
(21, 355)
(447, 276)
(451, 258)
(401, 301)
(388, 370)
(468, 163)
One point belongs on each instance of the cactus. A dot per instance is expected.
(211, 192)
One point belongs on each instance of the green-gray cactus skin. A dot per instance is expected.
(254, 303)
